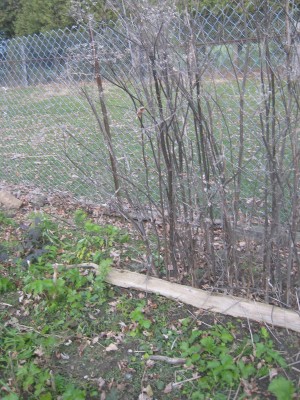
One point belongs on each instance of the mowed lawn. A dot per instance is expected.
(50, 136)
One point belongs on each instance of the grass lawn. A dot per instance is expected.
(41, 124)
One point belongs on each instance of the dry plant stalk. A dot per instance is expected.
(191, 190)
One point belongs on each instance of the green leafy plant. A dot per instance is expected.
(282, 388)
(76, 312)
(50, 288)
(6, 285)
(138, 316)
(42, 231)
(11, 396)
(71, 393)
(223, 365)
(94, 243)
(32, 378)
(5, 220)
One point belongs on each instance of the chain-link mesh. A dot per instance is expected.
(50, 134)
(185, 117)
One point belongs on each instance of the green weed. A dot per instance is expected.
(282, 388)
(222, 365)
(6, 285)
(76, 307)
(5, 220)
(138, 317)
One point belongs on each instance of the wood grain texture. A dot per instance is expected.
(224, 304)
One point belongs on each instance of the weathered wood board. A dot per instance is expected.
(224, 304)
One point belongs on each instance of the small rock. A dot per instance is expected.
(128, 377)
(39, 200)
(8, 201)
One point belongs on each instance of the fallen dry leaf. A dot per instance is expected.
(81, 348)
(144, 396)
(148, 390)
(150, 363)
(95, 340)
(272, 373)
(168, 388)
(38, 352)
(101, 383)
(121, 387)
(112, 347)
(103, 396)
(64, 356)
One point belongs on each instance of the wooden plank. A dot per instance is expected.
(224, 304)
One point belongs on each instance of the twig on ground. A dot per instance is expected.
(274, 336)
(174, 341)
(293, 363)
(29, 328)
(142, 379)
(250, 330)
(169, 360)
(237, 392)
(82, 265)
(197, 318)
(296, 369)
(186, 380)
(297, 297)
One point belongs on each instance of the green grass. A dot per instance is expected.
(37, 122)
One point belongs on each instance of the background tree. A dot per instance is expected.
(42, 15)
(8, 13)
(100, 10)
(25, 17)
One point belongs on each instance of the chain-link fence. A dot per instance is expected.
(41, 77)
(198, 117)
